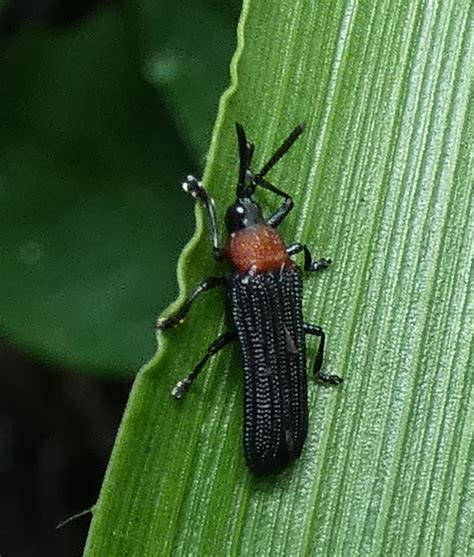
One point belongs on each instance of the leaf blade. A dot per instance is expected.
(377, 186)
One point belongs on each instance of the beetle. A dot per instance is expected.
(264, 293)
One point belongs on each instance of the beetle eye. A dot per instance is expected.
(235, 217)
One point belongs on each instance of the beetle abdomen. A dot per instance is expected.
(266, 312)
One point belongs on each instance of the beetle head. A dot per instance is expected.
(245, 211)
(242, 214)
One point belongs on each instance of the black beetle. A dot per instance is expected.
(264, 303)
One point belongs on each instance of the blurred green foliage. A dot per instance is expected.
(99, 123)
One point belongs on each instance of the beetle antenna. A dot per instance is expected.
(246, 150)
(282, 150)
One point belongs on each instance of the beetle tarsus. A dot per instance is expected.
(310, 264)
(177, 318)
(181, 387)
(329, 378)
(320, 264)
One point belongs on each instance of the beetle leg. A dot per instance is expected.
(178, 317)
(316, 331)
(309, 264)
(195, 188)
(280, 214)
(182, 386)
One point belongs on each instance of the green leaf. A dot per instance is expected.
(382, 181)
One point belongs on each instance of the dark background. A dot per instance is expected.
(104, 106)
